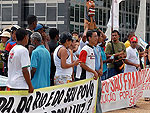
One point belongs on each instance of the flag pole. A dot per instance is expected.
(112, 20)
(112, 15)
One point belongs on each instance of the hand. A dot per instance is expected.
(100, 72)
(95, 75)
(137, 65)
(139, 68)
(31, 89)
(75, 63)
(122, 52)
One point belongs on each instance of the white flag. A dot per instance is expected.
(115, 12)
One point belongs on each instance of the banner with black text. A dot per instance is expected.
(75, 97)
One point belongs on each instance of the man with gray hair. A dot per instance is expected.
(40, 63)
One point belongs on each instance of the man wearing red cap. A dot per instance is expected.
(132, 59)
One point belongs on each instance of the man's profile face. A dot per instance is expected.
(115, 36)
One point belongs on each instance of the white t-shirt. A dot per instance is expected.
(87, 56)
(132, 56)
(18, 58)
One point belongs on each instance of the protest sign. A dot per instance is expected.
(76, 97)
(124, 90)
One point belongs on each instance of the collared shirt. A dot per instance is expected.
(97, 52)
(103, 59)
(41, 60)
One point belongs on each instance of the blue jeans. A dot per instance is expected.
(112, 72)
(98, 104)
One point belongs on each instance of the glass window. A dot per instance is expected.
(81, 29)
(147, 37)
(120, 18)
(81, 11)
(109, 4)
(100, 16)
(77, 28)
(96, 15)
(77, 13)
(40, 9)
(127, 5)
(71, 28)
(27, 11)
(104, 3)
(133, 22)
(27, 5)
(72, 10)
(6, 14)
(136, 19)
(137, 6)
(133, 10)
(104, 17)
(61, 9)
(130, 7)
(15, 19)
(7, 5)
(41, 18)
(108, 13)
(127, 18)
(51, 14)
(15, 9)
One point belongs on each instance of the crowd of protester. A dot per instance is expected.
(33, 59)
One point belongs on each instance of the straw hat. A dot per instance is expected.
(5, 34)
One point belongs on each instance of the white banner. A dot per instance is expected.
(124, 90)
(76, 97)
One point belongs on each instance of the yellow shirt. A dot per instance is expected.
(127, 44)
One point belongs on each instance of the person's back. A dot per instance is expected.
(42, 75)
(18, 58)
(40, 63)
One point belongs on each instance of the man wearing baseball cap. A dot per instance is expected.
(132, 60)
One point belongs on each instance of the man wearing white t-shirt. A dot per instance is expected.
(132, 59)
(19, 64)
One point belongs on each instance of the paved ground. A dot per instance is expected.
(142, 107)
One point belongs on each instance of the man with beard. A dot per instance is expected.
(115, 49)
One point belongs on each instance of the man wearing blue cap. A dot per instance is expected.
(40, 28)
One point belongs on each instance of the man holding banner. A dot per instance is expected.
(87, 67)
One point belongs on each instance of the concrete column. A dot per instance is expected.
(21, 13)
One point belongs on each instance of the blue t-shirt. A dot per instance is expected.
(103, 59)
(41, 60)
(97, 52)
